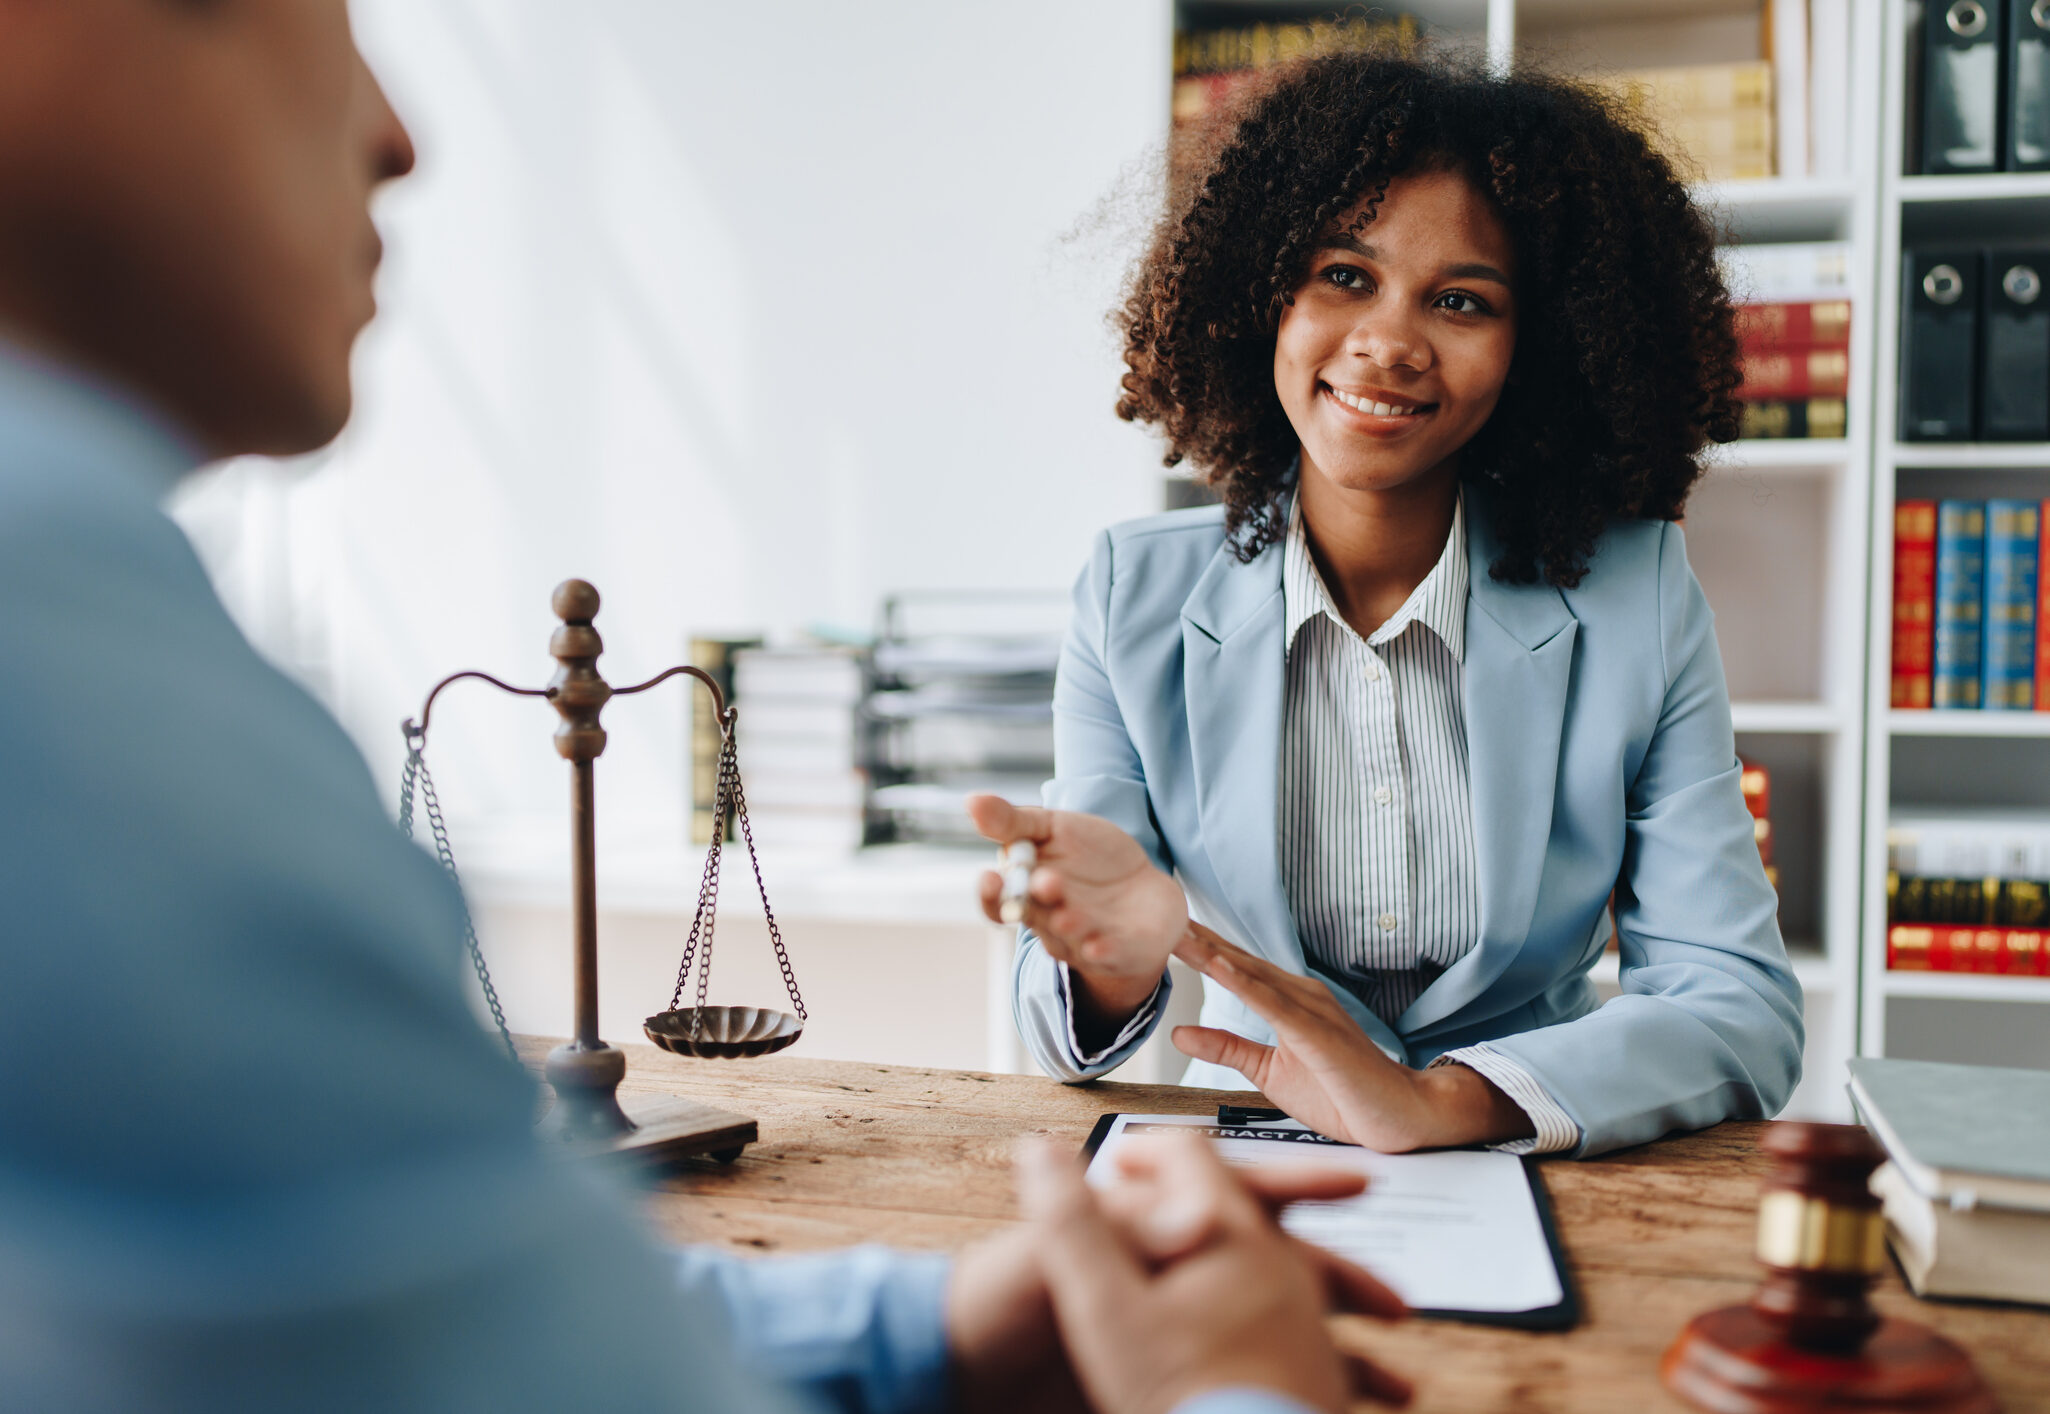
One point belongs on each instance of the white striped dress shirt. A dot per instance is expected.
(1375, 826)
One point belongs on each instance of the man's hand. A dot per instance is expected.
(1184, 1285)
(1096, 902)
(1001, 1328)
(1328, 1073)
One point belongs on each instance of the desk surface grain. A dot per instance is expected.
(921, 1158)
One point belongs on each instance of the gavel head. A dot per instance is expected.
(1820, 1236)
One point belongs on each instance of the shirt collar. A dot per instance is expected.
(1438, 603)
(55, 419)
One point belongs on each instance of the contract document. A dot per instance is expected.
(1460, 1233)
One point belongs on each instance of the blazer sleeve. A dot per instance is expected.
(1708, 1026)
(1098, 772)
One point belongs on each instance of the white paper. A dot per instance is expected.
(1456, 1230)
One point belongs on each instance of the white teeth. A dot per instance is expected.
(1368, 406)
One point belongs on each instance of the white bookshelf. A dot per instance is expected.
(1929, 759)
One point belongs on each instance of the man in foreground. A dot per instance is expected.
(254, 1151)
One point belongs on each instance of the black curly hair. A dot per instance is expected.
(1626, 361)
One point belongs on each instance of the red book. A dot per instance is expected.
(2042, 613)
(1914, 604)
(1794, 373)
(1815, 324)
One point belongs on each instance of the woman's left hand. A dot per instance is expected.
(1325, 1071)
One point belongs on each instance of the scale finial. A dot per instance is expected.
(575, 601)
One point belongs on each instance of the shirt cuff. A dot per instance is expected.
(1556, 1131)
(1141, 1019)
(862, 1328)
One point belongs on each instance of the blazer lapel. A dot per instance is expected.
(1232, 681)
(1519, 669)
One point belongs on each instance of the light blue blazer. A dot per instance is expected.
(1601, 757)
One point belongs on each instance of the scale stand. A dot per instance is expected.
(587, 1116)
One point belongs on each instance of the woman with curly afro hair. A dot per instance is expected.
(1373, 744)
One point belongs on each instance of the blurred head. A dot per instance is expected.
(186, 187)
(1508, 252)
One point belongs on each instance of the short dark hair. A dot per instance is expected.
(1626, 360)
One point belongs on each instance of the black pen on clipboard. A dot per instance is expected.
(1239, 1116)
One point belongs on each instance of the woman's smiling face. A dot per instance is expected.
(1397, 345)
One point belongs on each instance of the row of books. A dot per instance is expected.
(1793, 305)
(1975, 843)
(1985, 86)
(1713, 120)
(1943, 947)
(1212, 64)
(1975, 345)
(1966, 1185)
(1968, 630)
(1978, 901)
(1757, 787)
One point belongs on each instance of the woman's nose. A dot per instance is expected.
(1390, 338)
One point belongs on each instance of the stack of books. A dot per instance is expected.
(1969, 891)
(1212, 64)
(1969, 629)
(1713, 121)
(799, 745)
(707, 737)
(1966, 1185)
(1794, 329)
(1757, 785)
(962, 704)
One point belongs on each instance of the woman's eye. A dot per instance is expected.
(1460, 302)
(1346, 277)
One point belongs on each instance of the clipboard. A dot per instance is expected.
(1561, 1315)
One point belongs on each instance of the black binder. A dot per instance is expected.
(1939, 344)
(2014, 346)
(2027, 46)
(1961, 85)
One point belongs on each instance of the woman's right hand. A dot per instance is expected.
(1095, 900)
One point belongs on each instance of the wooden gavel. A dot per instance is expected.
(1810, 1339)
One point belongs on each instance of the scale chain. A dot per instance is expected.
(416, 777)
(731, 800)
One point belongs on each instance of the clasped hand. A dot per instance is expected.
(1098, 903)
(1172, 1282)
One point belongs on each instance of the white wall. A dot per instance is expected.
(748, 314)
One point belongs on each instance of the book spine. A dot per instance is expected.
(1914, 602)
(1789, 272)
(2042, 689)
(2008, 660)
(1700, 87)
(1797, 417)
(1801, 324)
(1789, 373)
(1960, 592)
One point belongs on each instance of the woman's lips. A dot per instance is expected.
(1377, 416)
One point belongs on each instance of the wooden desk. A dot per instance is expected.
(921, 1158)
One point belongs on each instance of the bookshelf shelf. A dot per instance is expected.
(1800, 455)
(1975, 189)
(1782, 208)
(1965, 986)
(1969, 723)
(1970, 456)
(1788, 717)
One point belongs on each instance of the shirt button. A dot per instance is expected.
(1373, 672)
(1382, 795)
(1387, 922)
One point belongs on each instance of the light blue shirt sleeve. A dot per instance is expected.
(1245, 1399)
(863, 1329)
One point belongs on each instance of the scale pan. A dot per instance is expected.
(725, 1033)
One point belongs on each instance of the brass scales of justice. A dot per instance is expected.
(585, 1072)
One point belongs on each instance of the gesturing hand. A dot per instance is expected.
(1211, 1296)
(1006, 1346)
(1328, 1073)
(1095, 900)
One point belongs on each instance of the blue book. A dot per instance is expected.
(1960, 597)
(2007, 661)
